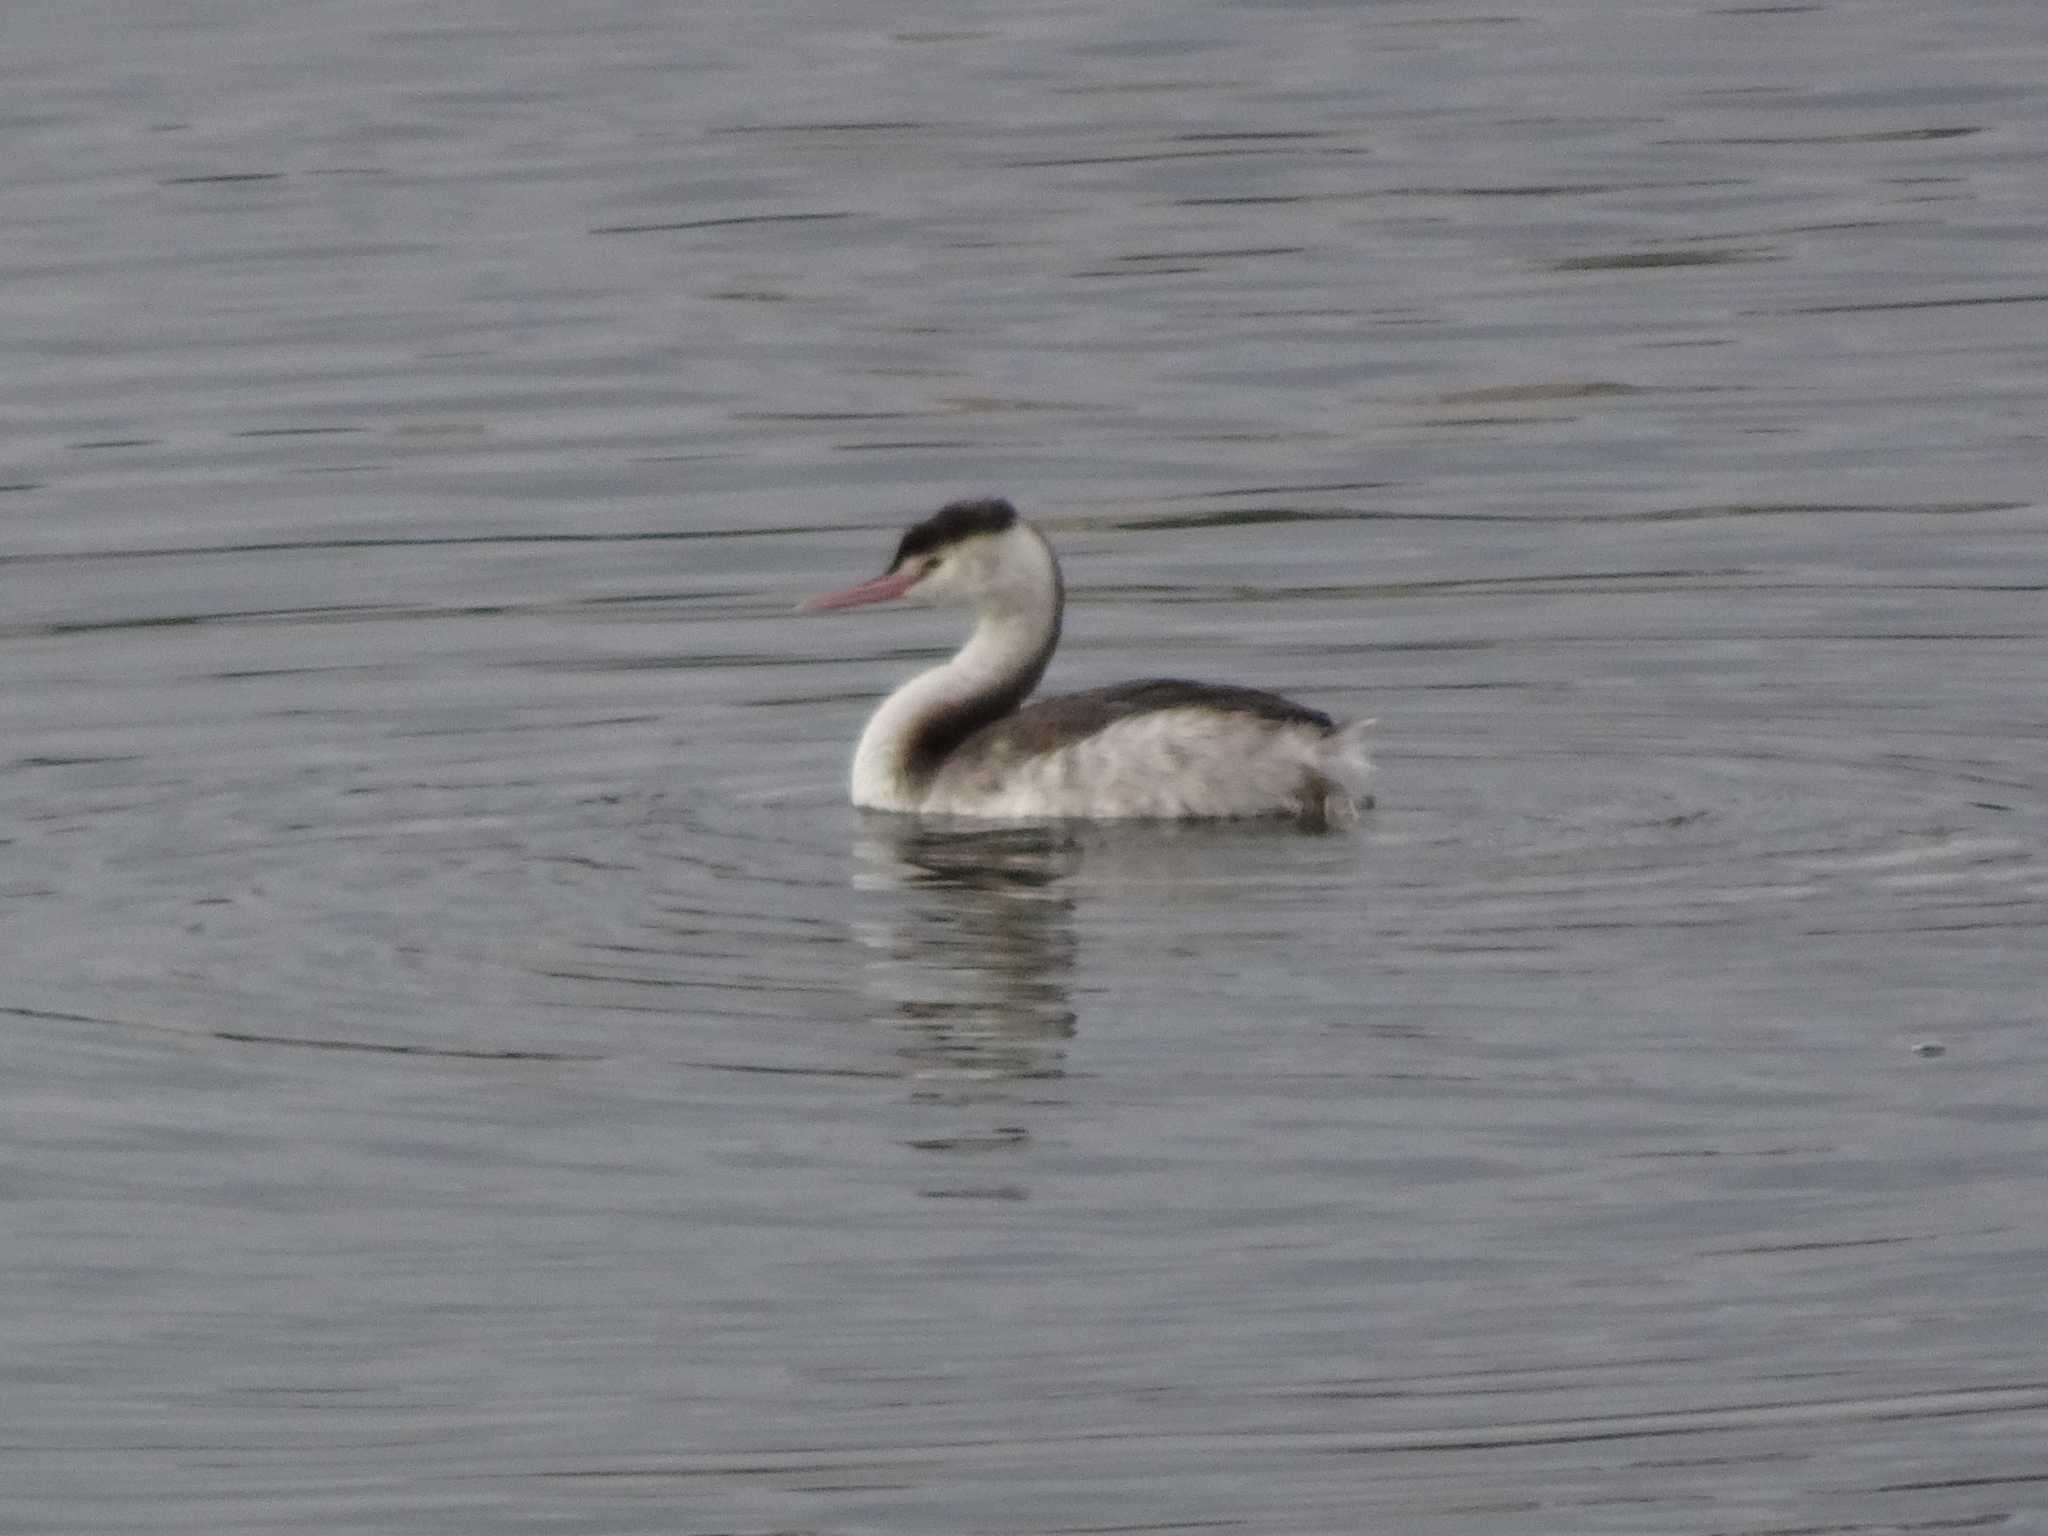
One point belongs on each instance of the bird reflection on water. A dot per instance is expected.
(970, 947)
(971, 943)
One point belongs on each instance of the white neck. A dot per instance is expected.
(1017, 624)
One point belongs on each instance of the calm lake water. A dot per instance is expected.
(466, 1069)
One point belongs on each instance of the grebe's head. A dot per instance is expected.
(977, 554)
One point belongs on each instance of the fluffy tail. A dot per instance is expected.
(1336, 791)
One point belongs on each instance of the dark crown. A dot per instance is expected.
(953, 522)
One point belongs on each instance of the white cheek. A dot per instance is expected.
(942, 585)
(962, 577)
(933, 588)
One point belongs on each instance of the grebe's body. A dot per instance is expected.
(959, 739)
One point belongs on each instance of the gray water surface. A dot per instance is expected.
(465, 1068)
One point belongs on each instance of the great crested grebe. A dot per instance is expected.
(959, 740)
